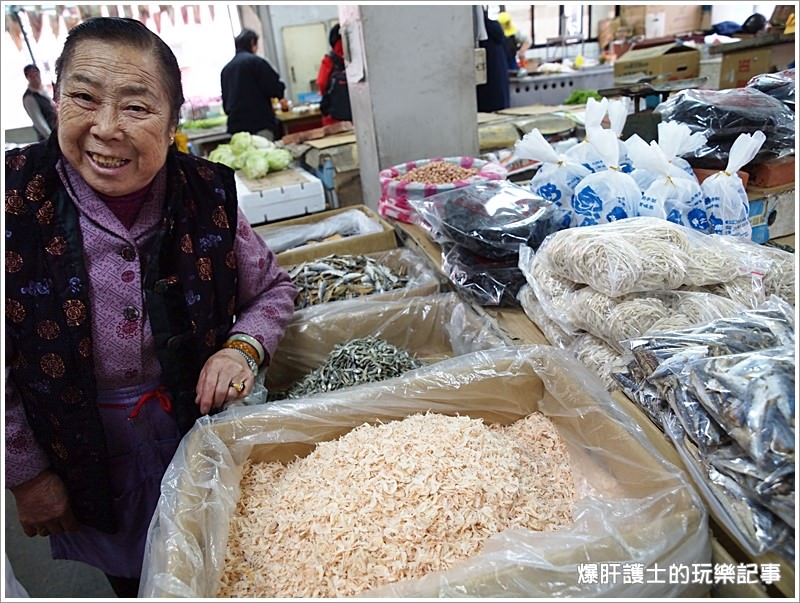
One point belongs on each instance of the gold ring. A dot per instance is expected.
(239, 387)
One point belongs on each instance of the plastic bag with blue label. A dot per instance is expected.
(558, 175)
(584, 152)
(725, 196)
(609, 195)
(675, 198)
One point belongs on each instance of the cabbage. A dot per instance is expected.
(224, 155)
(278, 159)
(241, 142)
(256, 164)
(259, 142)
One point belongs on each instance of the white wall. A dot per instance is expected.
(739, 11)
(279, 16)
(417, 98)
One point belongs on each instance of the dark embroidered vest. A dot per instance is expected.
(190, 285)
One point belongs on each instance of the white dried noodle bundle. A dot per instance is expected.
(598, 357)
(673, 322)
(780, 277)
(710, 265)
(549, 281)
(664, 231)
(590, 309)
(605, 264)
(704, 307)
(663, 266)
(392, 502)
(633, 317)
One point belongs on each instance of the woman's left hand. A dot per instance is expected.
(225, 376)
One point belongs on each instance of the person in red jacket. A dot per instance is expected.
(332, 82)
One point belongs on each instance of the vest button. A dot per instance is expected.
(128, 253)
(131, 313)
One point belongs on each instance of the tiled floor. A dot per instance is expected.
(42, 576)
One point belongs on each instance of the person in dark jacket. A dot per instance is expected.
(38, 104)
(138, 298)
(249, 83)
(495, 94)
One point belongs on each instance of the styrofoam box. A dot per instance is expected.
(284, 194)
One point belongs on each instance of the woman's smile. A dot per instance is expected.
(107, 161)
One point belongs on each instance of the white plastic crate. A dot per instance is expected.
(285, 194)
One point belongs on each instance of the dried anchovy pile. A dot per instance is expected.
(438, 172)
(338, 277)
(358, 361)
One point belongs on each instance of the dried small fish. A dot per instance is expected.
(358, 361)
(338, 277)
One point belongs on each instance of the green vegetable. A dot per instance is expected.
(254, 155)
(278, 159)
(256, 164)
(260, 142)
(241, 142)
(224, 154)
(579, 97)
(206, 122)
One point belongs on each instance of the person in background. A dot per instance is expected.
(138, 298)
(495, 94)
(332, 82)
(249, 83)
(518, 42)
(38, 104)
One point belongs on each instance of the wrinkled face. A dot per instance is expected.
(114, 117)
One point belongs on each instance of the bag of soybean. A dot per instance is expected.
(584, 152)
(557, 177)
(672, 195)
(608, 195)
(725, 196)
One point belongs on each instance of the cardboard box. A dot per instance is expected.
(772, 212)
(738, 67)
(361, 243)
(279, 195)
(666, 62)
(422, 279)
(431, 327)
(657, 521)
(661, 20)
(341, 149)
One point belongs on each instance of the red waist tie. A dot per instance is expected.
(160, 394)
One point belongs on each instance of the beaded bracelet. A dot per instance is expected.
(255, 343)
(250, 362)
(243, 347)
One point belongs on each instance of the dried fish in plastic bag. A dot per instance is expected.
(357, 361)
(756, 528)
(773, 489)
(338, 277)
(752, 396)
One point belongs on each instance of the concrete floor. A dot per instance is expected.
(42, 576)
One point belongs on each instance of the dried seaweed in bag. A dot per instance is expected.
(489, 282)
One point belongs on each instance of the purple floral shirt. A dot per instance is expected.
(124, 348)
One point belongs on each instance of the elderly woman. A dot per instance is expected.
(137, 299)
